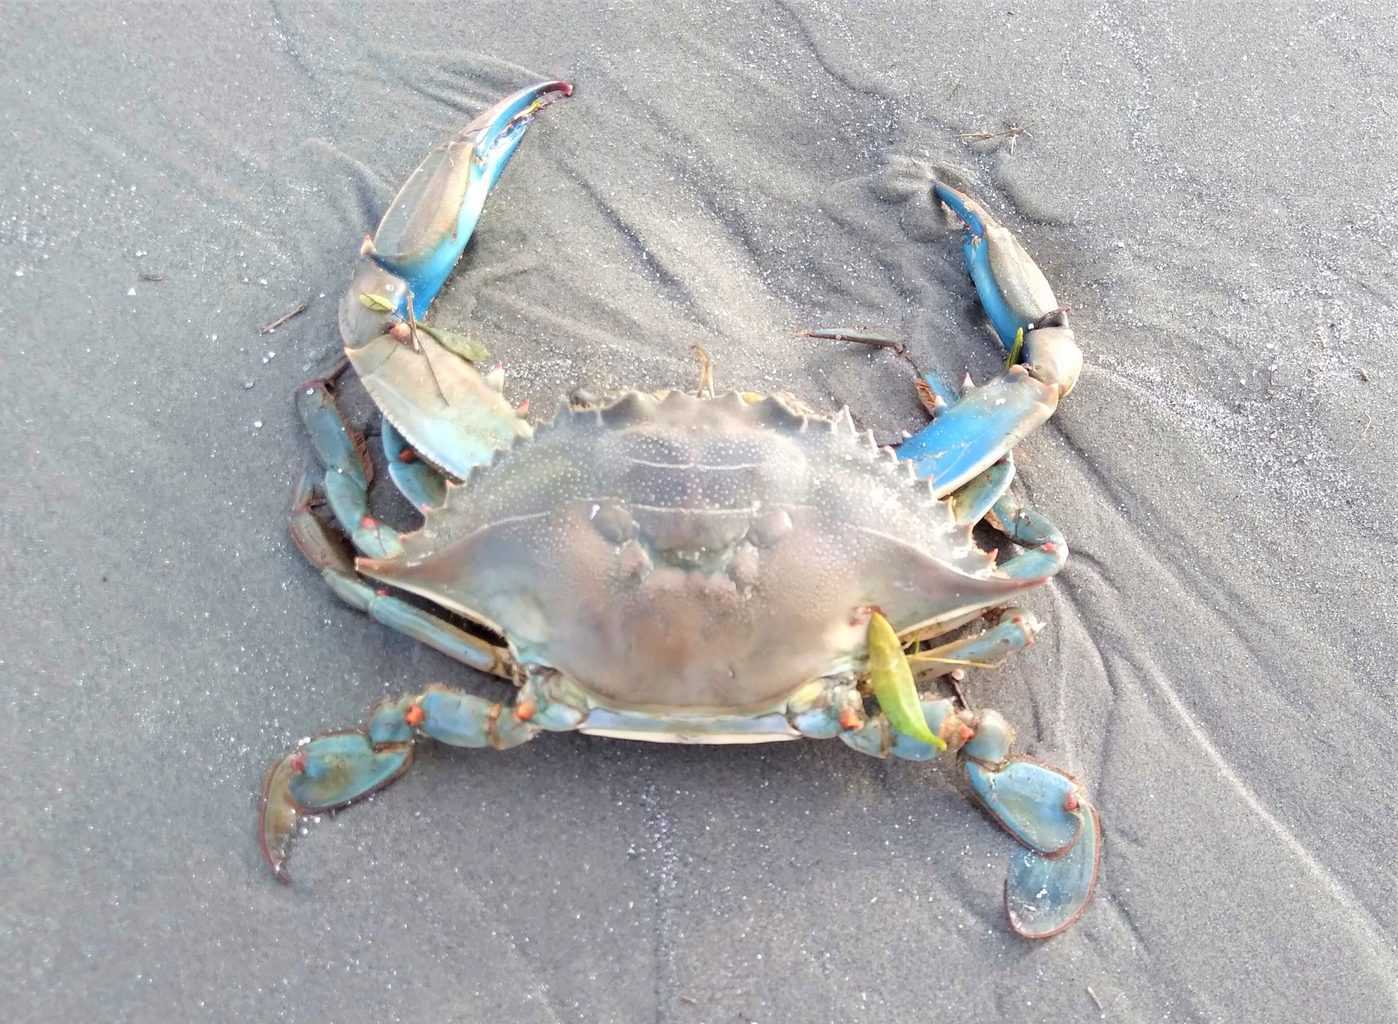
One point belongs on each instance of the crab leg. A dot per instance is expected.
(978, 496)
(348, 470)
(1046, 552)
(987, 421)
(416, 480)
(1014, 631)
(339, 768)
(326, 549)
(1052, 879)
(436, 399)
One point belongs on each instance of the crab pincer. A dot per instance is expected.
(436, 399)
(323, 774)
(985, 423)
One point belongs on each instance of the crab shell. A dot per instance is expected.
(690, 563)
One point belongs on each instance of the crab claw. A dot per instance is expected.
(329, 772)
(1015, 295)
(977, 429)
(429, 222)
(435, 398)
(437, 401)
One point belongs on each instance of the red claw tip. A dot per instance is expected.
(849, 719)
(566, 88)
(407, 455)
(1070, 802)
(297, 764)
(526, 710)
(369, 523)
(414, 716)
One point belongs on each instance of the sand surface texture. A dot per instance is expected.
(1212, 193)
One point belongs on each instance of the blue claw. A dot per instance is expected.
(1044, 895)
(340, 768)
(983, 424)
(975, 247)
(431, 219)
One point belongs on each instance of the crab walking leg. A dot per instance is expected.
(1015, 630)
(339, 768)
(443, 407)
(348, 470)
(1052, 877)
(422, 485)
(325, 549)
(1046, 550)
(987, 421)
(978, 496)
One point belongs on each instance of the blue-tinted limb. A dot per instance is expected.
(431, 220)
(978, 496)
(1053, 874)
(340, 768)
(985, 422)
(422, 485)
(327, 550)
(348, 470)
(1052, 879)
(1014, 631)
(1045, 549)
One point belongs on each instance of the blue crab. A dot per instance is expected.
(683, 567)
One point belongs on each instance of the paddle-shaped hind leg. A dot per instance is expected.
(1052, 879)
(1053, 876)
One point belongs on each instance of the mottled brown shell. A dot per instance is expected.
(695, 553)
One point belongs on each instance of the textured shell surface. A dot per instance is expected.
(690, 553)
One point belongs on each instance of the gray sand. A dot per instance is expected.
(1213, 193)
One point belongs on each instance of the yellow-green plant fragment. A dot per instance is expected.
(892, 680)
(377, 303)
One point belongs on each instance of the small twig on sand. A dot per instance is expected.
(150, 277)
(268, 328)
(417, 347)
(1095, 1001)
(1011, 132)
(871, 338)
(859, 337)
